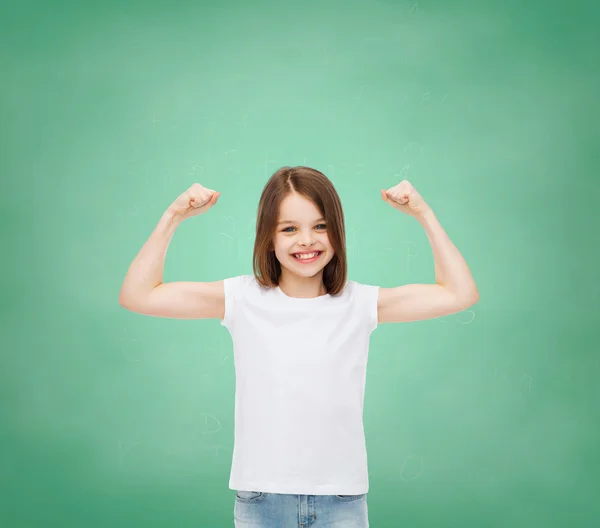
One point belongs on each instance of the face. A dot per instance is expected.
(301, 229)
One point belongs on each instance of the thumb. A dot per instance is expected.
(384, 196)
(209, 203)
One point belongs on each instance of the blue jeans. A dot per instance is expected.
(257, 509)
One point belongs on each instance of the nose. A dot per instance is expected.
(306, 240)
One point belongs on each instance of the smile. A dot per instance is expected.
(305, 260)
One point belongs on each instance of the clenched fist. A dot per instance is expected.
(195, 201)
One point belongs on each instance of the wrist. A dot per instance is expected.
(171, 218)
(426, 217)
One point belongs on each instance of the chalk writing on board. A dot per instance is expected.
(414, 8)
(409, 255)
(360, 94)
(267, 162)
(244, 121)
(215, 424)
(510, 380)
(459, 317)
(216, 448)
(412, 146)
(126, 342)
(355, 166)
(197, 172)
(409, 474)
(425, 97)
(230, 220)
(403, 171)
(123, 451)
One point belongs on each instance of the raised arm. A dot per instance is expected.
(454, 289)
(143, 290)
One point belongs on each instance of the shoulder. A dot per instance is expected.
(366, 297)
(365, 293)
(241, 285)
(238, 281)
(237, 290)
(361, 288)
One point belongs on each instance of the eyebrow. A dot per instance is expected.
(291, 221)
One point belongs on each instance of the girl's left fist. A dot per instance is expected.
(405, 198)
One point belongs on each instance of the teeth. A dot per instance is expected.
(306, 256)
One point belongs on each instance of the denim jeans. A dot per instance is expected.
(257, 509)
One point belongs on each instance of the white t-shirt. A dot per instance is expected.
(300, 369)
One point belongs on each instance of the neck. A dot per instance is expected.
(301, 287)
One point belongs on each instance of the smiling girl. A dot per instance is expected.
(300, 332)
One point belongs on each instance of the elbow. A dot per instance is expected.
(133, 301)
(468, 299)
(471, 299)
(122, 300)
(126, 302)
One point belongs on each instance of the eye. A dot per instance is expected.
(292, 227)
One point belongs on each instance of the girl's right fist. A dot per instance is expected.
(195, 201)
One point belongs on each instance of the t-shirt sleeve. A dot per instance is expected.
(368, 295)
(233, 288)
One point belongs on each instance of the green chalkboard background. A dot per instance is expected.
(486, 418)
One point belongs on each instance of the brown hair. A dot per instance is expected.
(316, 187)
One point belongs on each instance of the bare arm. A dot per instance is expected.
(143, 290)
(146, 271)
(184, 300)
(454, 289)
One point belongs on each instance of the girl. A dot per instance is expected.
(300, 333)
